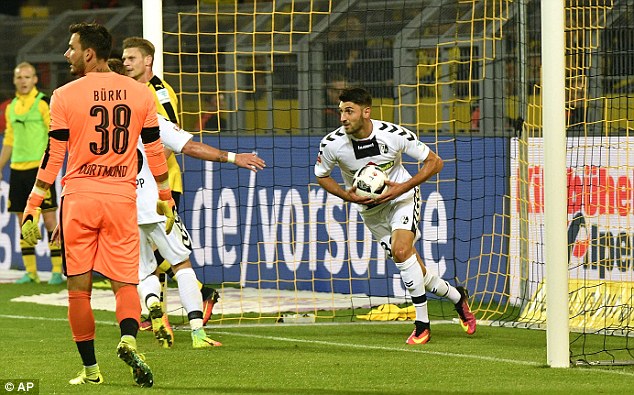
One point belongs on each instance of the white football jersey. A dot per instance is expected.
(174, 138)
(384, 148)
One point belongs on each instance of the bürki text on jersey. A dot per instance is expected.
(109, 95)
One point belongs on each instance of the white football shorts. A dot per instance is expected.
(175, 247)
(403, 213)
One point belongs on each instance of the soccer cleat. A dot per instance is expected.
(141, 372)
(82, 378)
(424, 334)
(28, 278)
(168, 327)
(103, 284)
(160, 326)
(146, 324)
(467, 319)
(201, 340)
(56, 279)
(210, 297)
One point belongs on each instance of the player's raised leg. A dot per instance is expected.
(457, 295)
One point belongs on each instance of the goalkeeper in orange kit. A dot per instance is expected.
(97, 120)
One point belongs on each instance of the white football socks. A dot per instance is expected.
(412, 276)
(149, 288)
(189, 293)
(440, 287)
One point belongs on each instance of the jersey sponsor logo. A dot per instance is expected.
(109, 95)
(405, 219)
(163, 96)
(366, 148)
(103, 171)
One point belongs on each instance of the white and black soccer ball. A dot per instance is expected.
(370, 181)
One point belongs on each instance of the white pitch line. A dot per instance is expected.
(414, 350)
(349, 345)
(381, 348)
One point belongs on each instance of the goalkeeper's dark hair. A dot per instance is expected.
(94, 36)
(356, 95)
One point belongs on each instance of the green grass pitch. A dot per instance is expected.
(329, 358)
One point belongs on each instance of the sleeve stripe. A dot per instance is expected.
(149, 135)
(59, 134)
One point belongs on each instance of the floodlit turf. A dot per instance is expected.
(334, 358)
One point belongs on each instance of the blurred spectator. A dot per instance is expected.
(475, 117)
(11, 7)
(334, 87)
(212, 117)
(347, 53)
(3, 109)
(92, 4)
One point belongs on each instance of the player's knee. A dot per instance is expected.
(186, 264)
(401, 253)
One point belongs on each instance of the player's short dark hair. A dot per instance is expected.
(94, 36)
(116, 65)
(358, 96)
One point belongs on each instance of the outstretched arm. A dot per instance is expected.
(206, 152)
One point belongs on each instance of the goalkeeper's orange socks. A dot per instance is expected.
(82, 325)
(80, 316)
(128, 306)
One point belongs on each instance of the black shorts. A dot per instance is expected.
(20, 187)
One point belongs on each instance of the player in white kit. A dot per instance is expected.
(393, 216)
(175, 247)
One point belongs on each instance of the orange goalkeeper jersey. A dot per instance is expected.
(98, 118)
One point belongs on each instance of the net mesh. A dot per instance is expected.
(464, 75)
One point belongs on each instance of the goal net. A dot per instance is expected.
(464, 75)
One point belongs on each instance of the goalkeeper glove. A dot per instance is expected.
(31, 216)
(31, 225)
(166, 206)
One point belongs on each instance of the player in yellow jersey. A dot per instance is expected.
(25, 139)
(138, 59)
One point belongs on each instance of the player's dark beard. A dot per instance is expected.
(353, 127)
(79, 68)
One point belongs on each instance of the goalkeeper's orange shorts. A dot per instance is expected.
(100, 233)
